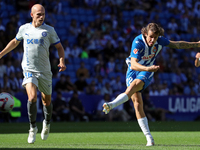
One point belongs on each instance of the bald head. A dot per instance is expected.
(37, 14)
(37, 7)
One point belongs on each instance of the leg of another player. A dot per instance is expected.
(47, 109)
(31, 90)
(142, 120)
(135, 86)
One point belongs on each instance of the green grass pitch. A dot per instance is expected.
(103, 135)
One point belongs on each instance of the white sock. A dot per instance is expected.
(121, 98)
(143, 123)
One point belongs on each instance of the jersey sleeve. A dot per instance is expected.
(19, 35)
(164, 41)
(136, 49)
(54, 39)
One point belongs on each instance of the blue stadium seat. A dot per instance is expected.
(61, 31)
(72, 74)
(112, 74)
(73, 79)
(76, 61)
(59, 18)
(88, 67)
(72, 40)
(13, 12)
(89, 12)
(89, 80)
(10, 8)
(67, 24)
(86, 61)
(70, 67)
(60, 24)
(65, 4)
(74, 11)
(76, 17)
(126, 13)
(90, 18)
(82, 11)
(4, 15)
(70, 60)
(92, 60)
(5, 21)
(54, 81)
(122, 77)
(68, 17)
(83, 18)
(165, 76)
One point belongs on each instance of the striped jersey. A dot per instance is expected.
(145, 54)
(36, 43)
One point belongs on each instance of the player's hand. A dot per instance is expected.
(198, 55)
(62, 67)
(153, 68)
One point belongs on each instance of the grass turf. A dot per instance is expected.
(103, 135)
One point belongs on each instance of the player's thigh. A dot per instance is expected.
(46, 99)
(31, 90)
(45, 83)
(135, 86)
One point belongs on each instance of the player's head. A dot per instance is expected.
(151, 33)
(37, 14)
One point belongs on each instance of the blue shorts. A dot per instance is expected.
(145, 76)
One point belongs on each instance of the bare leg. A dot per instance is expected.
(135, 86)
(141, 117)
(31, 90)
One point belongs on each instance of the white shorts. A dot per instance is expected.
(43, 80)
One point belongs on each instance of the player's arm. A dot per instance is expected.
(61, 54)
(9, 47)
(183, 44)
(138, 67)
(197, 60)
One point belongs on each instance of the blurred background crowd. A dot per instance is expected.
(97, 37)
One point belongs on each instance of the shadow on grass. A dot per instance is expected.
(67, 127)
(57, 149)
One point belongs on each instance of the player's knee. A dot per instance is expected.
(137, 104)
(32, 99)
(46, 102)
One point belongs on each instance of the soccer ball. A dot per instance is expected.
(6, 102)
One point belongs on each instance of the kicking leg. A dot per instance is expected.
(142, 120)
(135, 86)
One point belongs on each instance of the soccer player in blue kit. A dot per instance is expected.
(141, 68)
(37, 38)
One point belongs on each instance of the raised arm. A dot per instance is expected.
(9, 47)
(61, 54)
(197, 61)
(183, 44)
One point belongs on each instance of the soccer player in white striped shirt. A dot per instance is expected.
(141, 68)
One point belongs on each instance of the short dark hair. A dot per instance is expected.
(154, 28)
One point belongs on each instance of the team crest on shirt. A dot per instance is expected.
(44, 34)
(135, 51)
(153, 52)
